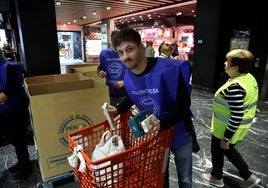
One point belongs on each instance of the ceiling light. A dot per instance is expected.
(126, 1)
(58, 3)
(94, 12)
(83, 17)
(108, 8)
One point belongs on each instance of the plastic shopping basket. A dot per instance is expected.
(141, 165)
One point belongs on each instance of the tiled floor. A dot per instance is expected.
(253, 149)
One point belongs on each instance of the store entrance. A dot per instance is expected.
(70, 48)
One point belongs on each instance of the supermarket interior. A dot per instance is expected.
(253, 149)
(60, 53)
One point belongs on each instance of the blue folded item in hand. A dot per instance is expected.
(135, 123)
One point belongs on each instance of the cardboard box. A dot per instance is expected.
(70, 68)
(60, 104)
(87, 69)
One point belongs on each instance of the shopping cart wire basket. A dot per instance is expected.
(141, 165)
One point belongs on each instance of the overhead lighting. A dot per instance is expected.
(94, 12)
(58, 3)
(108, 8)
(83, 17)
(126, 1)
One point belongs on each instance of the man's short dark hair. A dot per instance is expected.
(113, 33)
(126, 35)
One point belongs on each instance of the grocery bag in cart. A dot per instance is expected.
(142, 164)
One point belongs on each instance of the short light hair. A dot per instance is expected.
(166, 47)
(241, 58)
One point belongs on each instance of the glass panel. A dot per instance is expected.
(240, 39)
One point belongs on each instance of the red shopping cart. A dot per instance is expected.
(141, 165)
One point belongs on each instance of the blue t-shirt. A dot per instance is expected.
(156, 91)
(14, 97)
(115, 69)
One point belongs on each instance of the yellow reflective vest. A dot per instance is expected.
(221, 111)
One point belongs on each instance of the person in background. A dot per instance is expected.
(159, 48)
(161, 86)
(191, 57)
(9, 52)
(182, 53)
(175, 48)
(113, 70)
(77, 48)
(14, 116)
(166, 51)
(234, 108)
(149, 50)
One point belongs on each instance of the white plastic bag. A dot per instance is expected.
(108, 145)
(73, 159)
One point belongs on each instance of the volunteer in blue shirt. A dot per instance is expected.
(113, 70)
(14, 116)
(161, 86)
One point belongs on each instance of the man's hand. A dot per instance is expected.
(119, 84)
(112, 110)
(102, 74)
(3, 97)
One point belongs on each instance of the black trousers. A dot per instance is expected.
(14, 127)
(232, 154)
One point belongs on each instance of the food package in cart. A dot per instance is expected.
(139, 124)
(145, 123)
(109, 116)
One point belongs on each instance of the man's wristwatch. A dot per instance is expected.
(226, 140)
